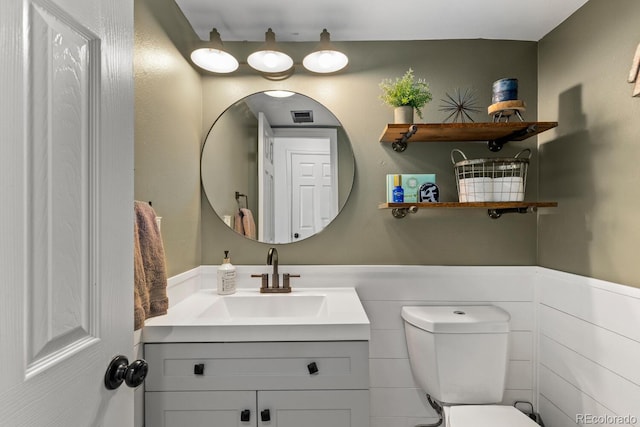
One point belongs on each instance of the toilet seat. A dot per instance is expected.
(486, 416)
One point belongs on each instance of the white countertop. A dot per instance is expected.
(305, 314)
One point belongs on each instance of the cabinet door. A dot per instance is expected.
(200, 409)
(322, 408)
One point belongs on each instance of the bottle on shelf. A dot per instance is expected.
(398, 191)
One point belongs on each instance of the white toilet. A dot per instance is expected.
(459, 357)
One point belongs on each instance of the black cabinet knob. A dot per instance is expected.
(313, 368)
(198, 369)
(265, 415)
(245, 415)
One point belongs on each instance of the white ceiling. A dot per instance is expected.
(278, 110)
(362, 20)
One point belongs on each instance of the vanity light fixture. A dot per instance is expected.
(269, 59)
(213, 58)
(326, 59)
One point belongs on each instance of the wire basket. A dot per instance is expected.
(491, 180)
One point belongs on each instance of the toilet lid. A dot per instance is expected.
(486, 416)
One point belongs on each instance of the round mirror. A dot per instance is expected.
(277, 167)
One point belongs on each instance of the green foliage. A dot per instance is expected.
(406, 90)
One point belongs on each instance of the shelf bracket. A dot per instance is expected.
(497, 213)
(402, 212)
(400, 144)
(496, 145)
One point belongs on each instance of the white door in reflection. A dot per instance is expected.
(266, 212)
(306, 182)
(313, 203)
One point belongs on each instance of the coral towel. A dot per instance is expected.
(244, 223)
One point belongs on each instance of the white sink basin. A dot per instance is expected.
(305, 314)
(269, 306)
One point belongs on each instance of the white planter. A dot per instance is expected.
(403, 114)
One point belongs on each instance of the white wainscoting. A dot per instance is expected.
(589, 351)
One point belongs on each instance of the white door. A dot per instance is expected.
(266, 172)
(306, 184)
(313, 199)
(66, 218)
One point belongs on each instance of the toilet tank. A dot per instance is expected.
(458, 355)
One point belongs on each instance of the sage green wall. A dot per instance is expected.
(168, 128)
(231, 151)
(590, 163)
(362, 234)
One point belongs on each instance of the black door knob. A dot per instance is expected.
(136, 373)
(198, 369)
(120, 371)
(265, 415)
(296, 235)
(313, 368)
(245, 415)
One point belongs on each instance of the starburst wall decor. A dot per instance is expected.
(460, 105)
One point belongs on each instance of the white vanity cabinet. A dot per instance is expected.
(275, 384)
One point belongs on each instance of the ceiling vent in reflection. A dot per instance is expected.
(302, 116)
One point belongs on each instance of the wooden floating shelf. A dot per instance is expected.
(495, 209)
(492, 205)
(495, 133)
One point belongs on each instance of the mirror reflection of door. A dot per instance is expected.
(266, 172)
(306, 181)
(311, 203)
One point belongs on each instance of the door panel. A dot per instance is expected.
(66, 173)
(306, 183)
(61, 166)
(313, 197)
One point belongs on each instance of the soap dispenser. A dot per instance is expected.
(226, 276)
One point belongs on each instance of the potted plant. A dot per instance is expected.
(405, 94)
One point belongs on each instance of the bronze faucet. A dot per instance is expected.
(272, 259)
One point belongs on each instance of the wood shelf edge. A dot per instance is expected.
(461, 132)
(484, 205)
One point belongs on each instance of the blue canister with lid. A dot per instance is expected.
(505, 90)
